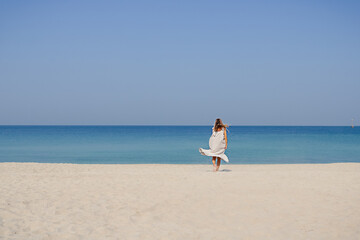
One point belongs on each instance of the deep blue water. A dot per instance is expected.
(177, 144)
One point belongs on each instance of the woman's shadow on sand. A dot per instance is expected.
(222, 170)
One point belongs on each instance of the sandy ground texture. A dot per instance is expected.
(70, 201)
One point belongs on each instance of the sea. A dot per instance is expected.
(177, 144)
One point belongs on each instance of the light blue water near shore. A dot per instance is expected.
(176, 144)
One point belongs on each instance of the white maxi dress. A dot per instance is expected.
(217, 146)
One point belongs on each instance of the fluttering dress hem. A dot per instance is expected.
(208, 152)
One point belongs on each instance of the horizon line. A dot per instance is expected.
(170, 125)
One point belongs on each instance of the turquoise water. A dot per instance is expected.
(176, 144)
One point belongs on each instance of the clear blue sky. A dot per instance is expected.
(180, 62)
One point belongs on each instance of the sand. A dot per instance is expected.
(71, 201)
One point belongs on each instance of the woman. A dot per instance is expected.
(217, 144)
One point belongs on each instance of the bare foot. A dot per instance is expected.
(217, 169)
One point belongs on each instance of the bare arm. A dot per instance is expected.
(225, 138)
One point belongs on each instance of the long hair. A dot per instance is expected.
(219, 125)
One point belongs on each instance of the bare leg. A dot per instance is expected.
(218, 164)
(214, 164)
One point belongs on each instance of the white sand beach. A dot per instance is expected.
(71, 201)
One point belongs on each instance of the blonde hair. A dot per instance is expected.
(219, 125)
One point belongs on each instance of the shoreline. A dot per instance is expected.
(179, 201)
(181, 164)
